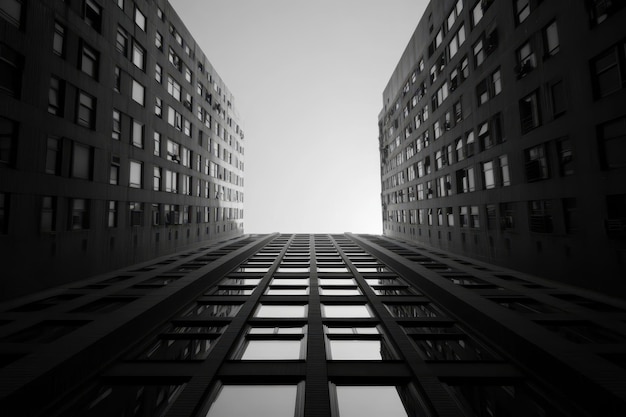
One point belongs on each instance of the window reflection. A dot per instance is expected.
(340, 291)
(178, 350)
(277, 310)
(255, 400)
(348, 311)
(212, 310)
(272, 349)
(412, 310)
(361, 401)
(336, 281)
(356, 349)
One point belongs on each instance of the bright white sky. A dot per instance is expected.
(308, 77)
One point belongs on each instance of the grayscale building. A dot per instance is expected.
(119, 142)
(315, 325)
(503, 135)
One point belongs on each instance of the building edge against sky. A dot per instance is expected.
(119, 141)
(502, 137)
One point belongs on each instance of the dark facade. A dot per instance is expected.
(118, 141)
(313, 325)
(503, 133)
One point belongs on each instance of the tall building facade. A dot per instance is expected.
(314, 325)
(502, 137)
(119, 142)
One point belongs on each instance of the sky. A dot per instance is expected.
(308, 78)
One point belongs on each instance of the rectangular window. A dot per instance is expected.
(139, 56)
(93, 14)
(158, 73)
(465, 180)
(536, 163)
(114, 171)
(157, 181)
(111, 213)
(158, 41)
(505, 176)
(138, 92)
(173, 88)
(79, 214)
(157, 144)
(121, 41)
(477, 13)
(48, 214)
(58, 39)
(569, 215)
(11, 68)
(56, 97)
(136, 213)
(530, 115)
(488, 177)
(558, 99)
(474, 217)
(540, 216)
(612, 143)
(522, 10)
(526, 61)
(258, 400)
(86, 111)
(490, 209)
(608, 71)
(171, 181)
(4, 213)
(82, 161)
(53, 156)
(11, 11)
(117, 125)
(566, 156)
(135, 177)
(479, 53)
(138, 134)
(117, 81)
(616, 216)
(550, 40)
(450, 216)
(158, 107)
(507, 216)
(140, 19)
(89, 59)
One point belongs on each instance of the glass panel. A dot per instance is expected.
(355, 350)
(340, 291)
(335, 281)
(255, 400)
(361, 401)
(333, 311)
(290, 281)
(271, 350)
(287, 291)
(276, 330)
(241, 281)
(178, 350)
(266, 311)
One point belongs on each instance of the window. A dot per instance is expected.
(117, 82)
(11, 64)
(479, 53)
(488, 177)
(158, 73)
(255, 400)
(496, 83)
(173, 88)
(616, 216)
(86, 111)
(58, 39)
(53, 156)
(114, 171)
(171, 181)
(158, 107)
(117, 125)
(569, 215)
(536, 163)
(135, 178)
(354, 347)
(558, 100)
(82, 156)
(600, 10)
(138, 134)
(540, 212)
(612, 142)
(158, 41)
(477, 13)
(138, 93)
(550, 40)
(280, 310)
(157, 144)
(136, 213)
(11, 11)
(529, 112)
(79, 214)
(48, 214)
(609, 71)
(121, 41)
(503, 162)
(566, 156)
(526, 61)
(465, 180)
(345, 311)
(140, 19)
(522, 10)
(157, 181)
(139, 56)
(174, 118)
(456, 41)
(56, 96)
(93, 14)
(89, 61)
(111, 213)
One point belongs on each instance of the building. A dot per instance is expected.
(119, 142)
(502, 137)
(314, 325)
